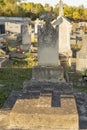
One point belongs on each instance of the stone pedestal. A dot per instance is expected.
(48, 73)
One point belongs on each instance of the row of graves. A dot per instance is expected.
(69, 34)
(47, 101)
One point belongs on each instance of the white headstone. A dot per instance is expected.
(64, 32)
(36, 26)
(14, 27)
(64, 37)
(81, 61)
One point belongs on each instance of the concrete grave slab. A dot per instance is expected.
(38, 114)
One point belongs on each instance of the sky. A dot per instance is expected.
(54, 2)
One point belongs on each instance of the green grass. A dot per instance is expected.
(76, 79)
(81, 89)
(12, 79)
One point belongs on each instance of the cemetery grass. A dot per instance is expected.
(12, 79)
(79, 83)
(81, 88)
(76, 79)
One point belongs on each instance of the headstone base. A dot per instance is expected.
(25, 47)
(48, 73)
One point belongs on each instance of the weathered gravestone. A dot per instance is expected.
(47, 45)
(81, 60)
(26, 38)
(48, 68)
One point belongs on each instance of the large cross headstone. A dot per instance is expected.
(64, 32)
(81, 61)
(48, 68)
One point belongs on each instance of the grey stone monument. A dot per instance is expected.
(26, 37)
(81, 60)
(47, 45)
(48, 68)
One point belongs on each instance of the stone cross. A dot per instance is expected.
(61, 8)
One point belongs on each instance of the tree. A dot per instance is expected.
(48, 8)
(11, 1)
(68, 11)
(20, 8)
(76, 14)
(56, 10)
(8, 7)
(39, 8)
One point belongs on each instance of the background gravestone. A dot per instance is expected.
(81, 61)
(64, 32)
(26, 38)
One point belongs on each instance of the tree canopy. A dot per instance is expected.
(32, 10)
